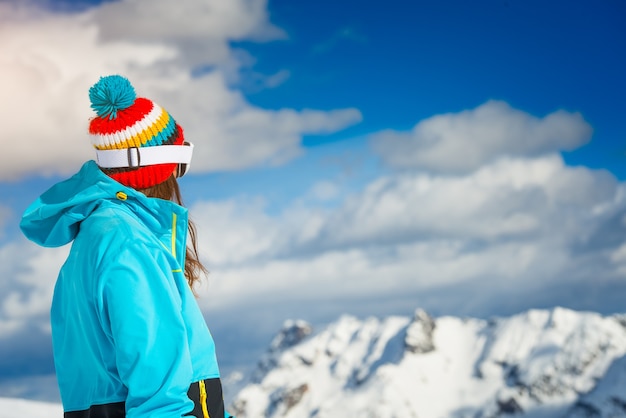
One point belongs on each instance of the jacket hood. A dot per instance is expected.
(54, 218)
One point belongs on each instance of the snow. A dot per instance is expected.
(540, 363)
(19, 408)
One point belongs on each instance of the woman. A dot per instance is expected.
(129, 339)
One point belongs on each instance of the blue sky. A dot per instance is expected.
(351, 157)
(405, 61)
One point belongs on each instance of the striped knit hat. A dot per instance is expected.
(129, 123)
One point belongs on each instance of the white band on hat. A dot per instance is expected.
(143, 156)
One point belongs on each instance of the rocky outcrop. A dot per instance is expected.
(419, 334)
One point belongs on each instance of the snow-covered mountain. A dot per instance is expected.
(541, 363)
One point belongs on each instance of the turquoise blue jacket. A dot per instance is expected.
(125, 325)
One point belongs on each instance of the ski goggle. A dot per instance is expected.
(144, 156)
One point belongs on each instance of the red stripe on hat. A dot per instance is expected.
(125, 118)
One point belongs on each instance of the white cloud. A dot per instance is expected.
(225, 240)
(48, 61)
(5, 215)
(462, 142)
(362, 273)
(213, 20)
(200, 30)
(521, 198)
(27, 277)
(515, 220)
(47, 66)
(618, 256)
(324, 190)
(231, 134)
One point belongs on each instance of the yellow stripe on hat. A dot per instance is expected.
(137, 134)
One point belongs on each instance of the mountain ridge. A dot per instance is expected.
(539, 363)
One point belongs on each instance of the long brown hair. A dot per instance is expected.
(169, 190)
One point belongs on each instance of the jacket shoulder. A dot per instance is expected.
(112, 228)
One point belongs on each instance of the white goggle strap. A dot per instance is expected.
(144, 156)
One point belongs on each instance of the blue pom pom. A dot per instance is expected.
(110, 94)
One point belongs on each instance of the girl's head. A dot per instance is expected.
(137, 142)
